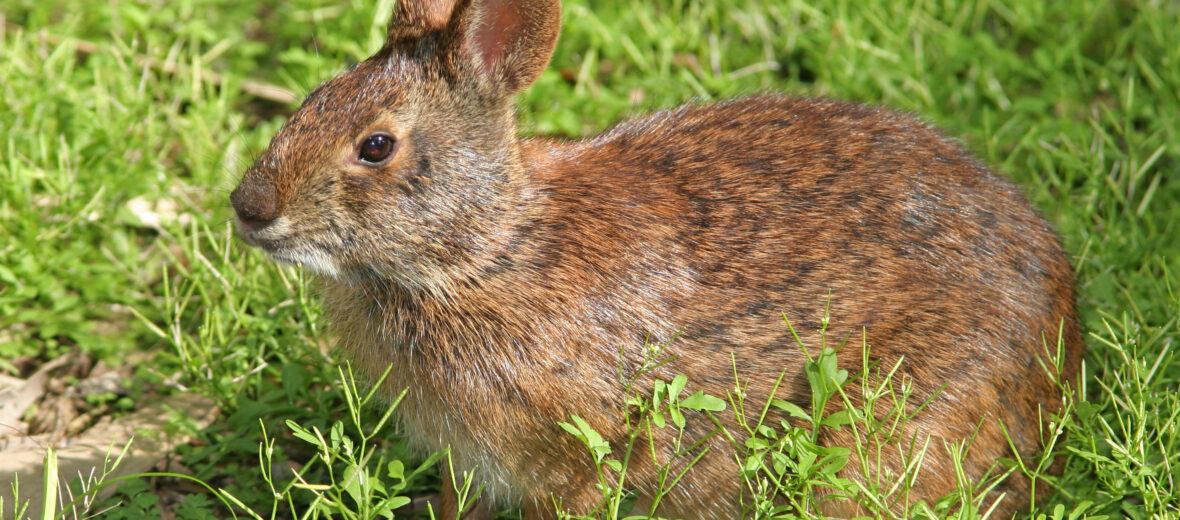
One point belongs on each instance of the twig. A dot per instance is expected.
(254, 88)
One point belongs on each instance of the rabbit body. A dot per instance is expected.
(513, 283)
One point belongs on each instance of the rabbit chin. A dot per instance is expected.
(314, 261)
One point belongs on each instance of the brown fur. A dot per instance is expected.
(500, 277)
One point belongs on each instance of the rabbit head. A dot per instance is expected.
(399, 167)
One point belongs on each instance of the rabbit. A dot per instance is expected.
(508, 283)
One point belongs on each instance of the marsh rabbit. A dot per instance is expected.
(510, 282)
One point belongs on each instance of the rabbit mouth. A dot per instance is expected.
(273, 239)
(310, 259)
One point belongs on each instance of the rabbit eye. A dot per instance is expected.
(376, 148)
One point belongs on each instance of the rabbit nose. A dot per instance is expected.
(255, 201)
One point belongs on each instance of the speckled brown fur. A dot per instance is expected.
(500, 277)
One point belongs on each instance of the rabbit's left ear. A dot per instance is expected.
(507, 43)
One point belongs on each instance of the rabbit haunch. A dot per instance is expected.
(500, 277)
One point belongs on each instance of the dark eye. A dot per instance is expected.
(376, 148)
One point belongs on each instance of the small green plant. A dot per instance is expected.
(1080, 511)
(789, 463)
(663, 408)
(465, 496)
(784, 469)
(77, 498)
(348, 476)
(357, 486)
(19, 507)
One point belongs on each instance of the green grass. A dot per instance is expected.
(1078, 101)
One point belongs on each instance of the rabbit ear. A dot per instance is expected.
(508, 42)
(414, 18)
(512, 40)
